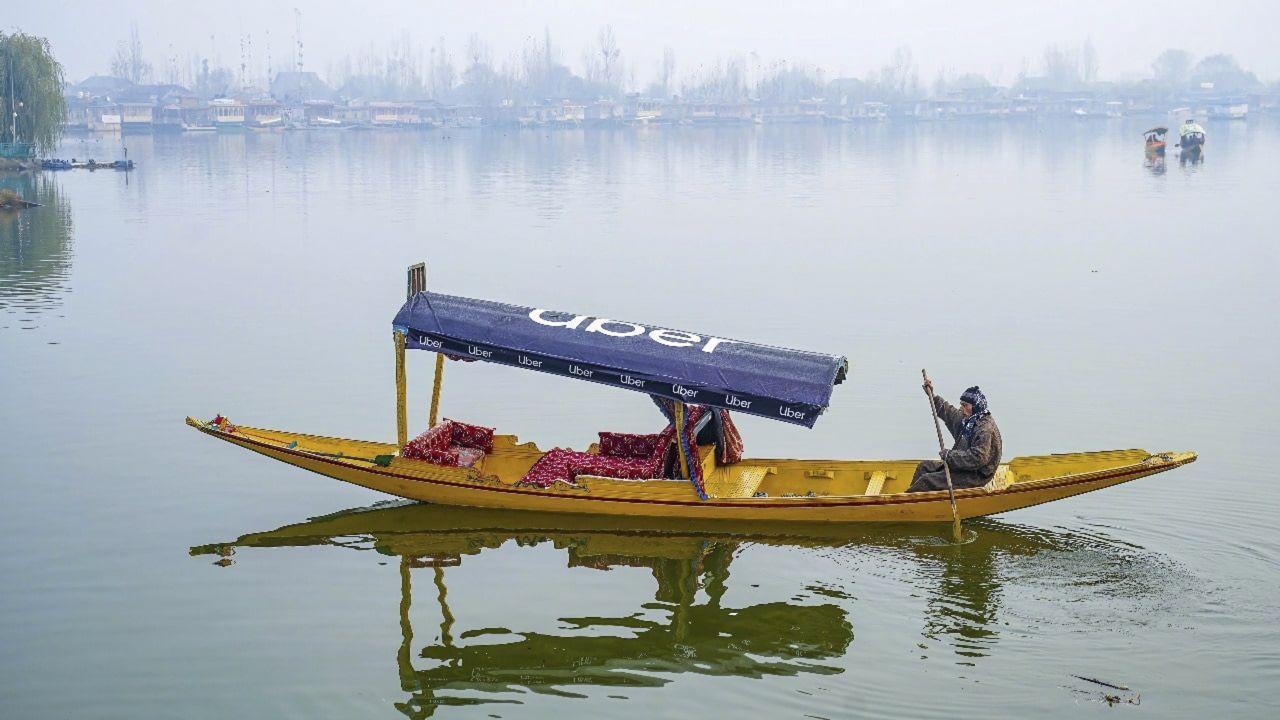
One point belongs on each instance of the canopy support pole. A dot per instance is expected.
(417, 282)
(435, 391)
(402, 413)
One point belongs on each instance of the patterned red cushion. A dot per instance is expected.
(433, 446)
(562, 465)
(448, 458)
(617, 467)
(628, 445)
(472, 436)
(550, 468)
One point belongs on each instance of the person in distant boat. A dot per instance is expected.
(1191, 133)
(976, 454)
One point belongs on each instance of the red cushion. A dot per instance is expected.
(628, 445)
(472, 436)
(617, 467)
(433, 446)
(560, 464)
(550, 468)
(564, 465)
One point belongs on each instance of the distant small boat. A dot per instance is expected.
(273, 122)
(198, 128)
(1191, 139)
(1155, 142)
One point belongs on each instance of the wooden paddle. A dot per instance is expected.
(937, 428)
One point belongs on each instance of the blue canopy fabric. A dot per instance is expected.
(788, 385)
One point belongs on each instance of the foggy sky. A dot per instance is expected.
(992, 37)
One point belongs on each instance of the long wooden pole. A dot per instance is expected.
(937, 428)
(417, 282)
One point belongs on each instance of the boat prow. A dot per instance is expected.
(751, 489)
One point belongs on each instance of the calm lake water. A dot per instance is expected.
(1099, 301)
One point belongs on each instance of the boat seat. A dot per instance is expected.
(452, 444)
(622, 455)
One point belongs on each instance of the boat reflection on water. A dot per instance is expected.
(1155, 163)
(685, 628)
(680, 632)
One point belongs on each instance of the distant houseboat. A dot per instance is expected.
(168, 118)
(263, 114)
(103, 118)
(648, 111)
(137, 116)
(227, 114)
(394, 114)
(319, 113)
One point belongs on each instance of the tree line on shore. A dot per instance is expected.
(33, 80)
(404, 69)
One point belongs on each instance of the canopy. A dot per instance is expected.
(1157, 130)
(789, 385)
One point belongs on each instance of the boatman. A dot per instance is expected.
(976, 454)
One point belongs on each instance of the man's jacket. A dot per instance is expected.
(980, 452)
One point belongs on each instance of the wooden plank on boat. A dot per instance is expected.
(735, 481)
(876, 483)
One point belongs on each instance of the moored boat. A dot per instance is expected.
(696, 473)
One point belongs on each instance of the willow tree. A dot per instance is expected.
(31, 86)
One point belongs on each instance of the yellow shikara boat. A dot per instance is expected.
(696, 474)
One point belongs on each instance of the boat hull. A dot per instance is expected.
(422, 481)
